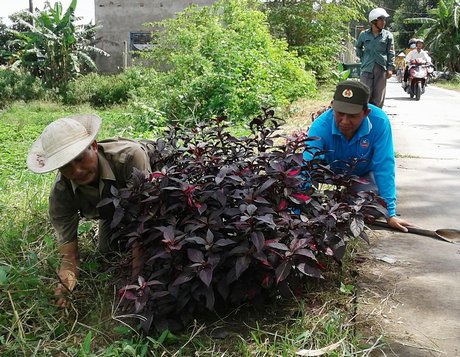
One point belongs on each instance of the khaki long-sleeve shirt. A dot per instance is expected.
(69, 201)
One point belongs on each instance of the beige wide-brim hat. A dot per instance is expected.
(62, 141)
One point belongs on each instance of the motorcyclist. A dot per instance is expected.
(416, 53)
(412, 45)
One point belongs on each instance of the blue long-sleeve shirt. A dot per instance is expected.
(372, 142)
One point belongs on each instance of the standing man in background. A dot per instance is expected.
(375, 49)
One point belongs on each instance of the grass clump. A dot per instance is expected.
(452, 84)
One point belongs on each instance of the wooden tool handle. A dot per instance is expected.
(420, 231)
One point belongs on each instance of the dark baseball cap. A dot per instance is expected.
(350, 97)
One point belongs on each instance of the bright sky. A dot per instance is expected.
(85, 8)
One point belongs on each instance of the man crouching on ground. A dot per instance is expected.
(354, 129)
(86, 172)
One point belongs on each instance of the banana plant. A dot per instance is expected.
(53, 47)
(442, 34)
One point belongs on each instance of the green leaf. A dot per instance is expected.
(163, 336)
(86, 345)
(49, 241)
(59, 330)
(344, 75)
(129, 350)
(66, 19)
(3, 275)
(122, 330)
(346, 289)
(85, 227)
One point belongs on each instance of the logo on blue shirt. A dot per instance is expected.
(364, 143)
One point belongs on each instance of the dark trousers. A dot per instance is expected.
(406, 73)
(377, 82)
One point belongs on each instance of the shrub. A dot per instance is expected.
(320, 59)
(315, 30)
(99, 90)
(225, 220)
(219, 60)
(16, 85)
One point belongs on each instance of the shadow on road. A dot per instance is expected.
(400, 98)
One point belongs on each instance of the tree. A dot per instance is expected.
(441, 32)
(315, 29)
(402, 30)
(9, 44)
(53, 48)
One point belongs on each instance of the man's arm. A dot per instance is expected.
(383, 163)
(410, 56)
(359, 46)
(427, 56)
(390, 52)
(64, 218)
(390, 56)
(68, 271)
(384, 172)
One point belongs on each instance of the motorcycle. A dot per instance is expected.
(419, 75)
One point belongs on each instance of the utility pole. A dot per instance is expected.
(31, 10)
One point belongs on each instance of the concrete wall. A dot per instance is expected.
(120, 18)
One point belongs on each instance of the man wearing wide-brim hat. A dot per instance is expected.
(86, 172)
(354, 129)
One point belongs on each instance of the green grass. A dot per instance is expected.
(452, 85)
(405, 156)
(30, 324)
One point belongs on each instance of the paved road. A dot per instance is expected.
(411, 284)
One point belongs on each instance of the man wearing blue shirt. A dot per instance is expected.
(354, 129)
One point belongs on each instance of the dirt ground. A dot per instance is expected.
(409, 285)
(395, 301)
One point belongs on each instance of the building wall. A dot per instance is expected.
(120, 18)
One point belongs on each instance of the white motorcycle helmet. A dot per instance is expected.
(376, 13)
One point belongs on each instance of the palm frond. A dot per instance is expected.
(456, 15)
(94, 49)
(419, 20)
(87, 60)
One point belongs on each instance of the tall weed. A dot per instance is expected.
(98, 90)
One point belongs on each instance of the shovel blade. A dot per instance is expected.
(451, 235)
